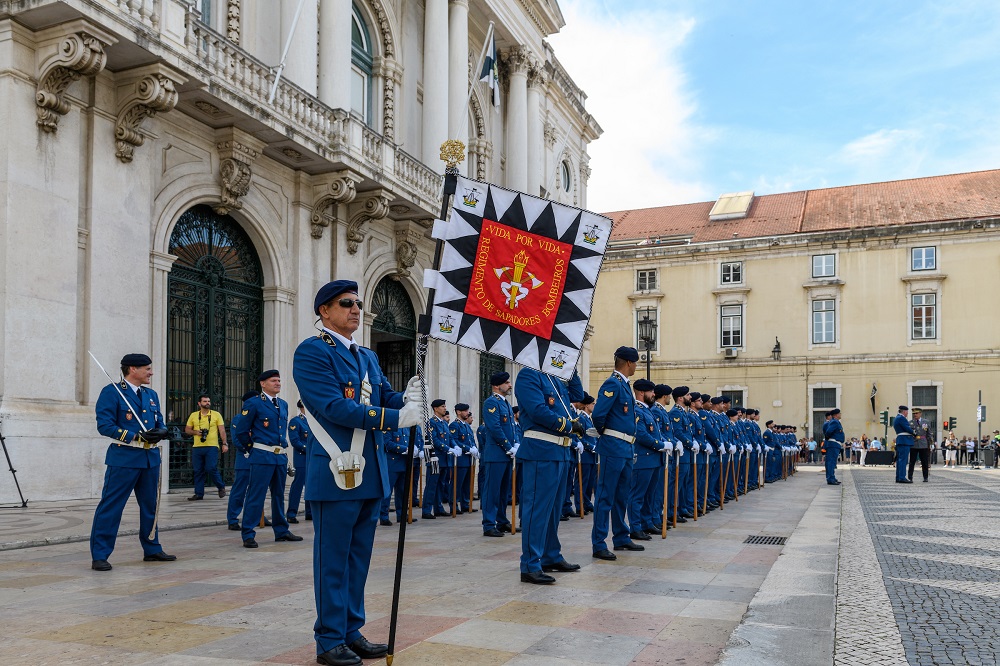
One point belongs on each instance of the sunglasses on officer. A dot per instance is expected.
(351, 302)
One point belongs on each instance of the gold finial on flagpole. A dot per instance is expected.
(452, 154)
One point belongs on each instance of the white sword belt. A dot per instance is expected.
(620, 435)
(278, 450)
(548, 437)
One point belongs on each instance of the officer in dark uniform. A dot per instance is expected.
(614, 419)
(129, 414)
(834, 434)
(351, 404)
(438, 480)
(463, 439)
(648, 451)
(588, 458)
(261, 432)
(499, 447)
(544, 455)
(397, 447)
(681, 430)
(241, 478)
(300, 437)
(665, 472)
(905, 438)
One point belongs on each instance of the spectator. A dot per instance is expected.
(813, 454)
(864, 450)
(876, 444)
(970, 450)
(961, 451)
(855, 450)
(950, 451)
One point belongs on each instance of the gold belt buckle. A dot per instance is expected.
(277, 450)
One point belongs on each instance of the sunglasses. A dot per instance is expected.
(350, 302)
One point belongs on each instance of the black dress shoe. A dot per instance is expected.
(641, 536)
(652, 530)
(428, 516)
(473, 510)
(309, 517)
(537, 577)
(384, 522)
(234, 527)
(267, 522)
(441, 514)
(222, 493)
(686, 515)
(563, 518)
(903, 481)
(339, 656)
(505, 528)
(288, 537)
(249, 543)
(681, 519)
(561, 565)
(459, 512)
(587, 511)
(195, 498)
(493, 533)
(925, 479)
(605, 555)
(100, 565)
(292, 520)
(629, 545)
(159, 557)
(367, 650)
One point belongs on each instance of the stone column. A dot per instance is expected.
(517, 59)
(536, 89)
(301, 61)
(434, 129)
(335, 53)
(458, 72)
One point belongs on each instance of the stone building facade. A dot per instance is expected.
(153, 199)
(798, 302)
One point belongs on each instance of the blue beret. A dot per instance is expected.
(498, 378)
(248, 395)
(732, 412)
(705, 397)
(437, 403)
(627, 354)
(717, 400)
(726, 400)
(461, 407)
(587, 399)
(331, 290)
(136, 360)
(680, 392)
(901, 407)
(643, 385)
(516, 409)
(834, 412)
(267, 374)
(662, 390)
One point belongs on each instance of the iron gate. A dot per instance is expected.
(214, 327)
(394, 320)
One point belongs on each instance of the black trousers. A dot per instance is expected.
(925, 461)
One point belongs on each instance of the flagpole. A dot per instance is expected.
(284, 54)
(479, 63)
(452, 152)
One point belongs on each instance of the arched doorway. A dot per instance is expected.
(215, 307)
(394, 332)
(488, 364)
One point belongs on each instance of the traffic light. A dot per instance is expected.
(952, 423)
(883, 417)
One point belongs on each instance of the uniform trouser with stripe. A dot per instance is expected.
(613, 485)
(297, 485)
(833, 452)
(655, 498)
(342, 553)
(902, 460)
(119, 484)
(462, 481)
(237, 495)
(589, 485)
(262, 479)
(543, 488)
(430, 500)
(639, 493)
(713, 477)
(443, 489)
(493, 494)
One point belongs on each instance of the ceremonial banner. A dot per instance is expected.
(517, 276)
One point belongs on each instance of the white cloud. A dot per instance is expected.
(886, 153)
(628, 64)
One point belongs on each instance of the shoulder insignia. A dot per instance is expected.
(704, 418)
(609, 394)
(677, 419)
(245, 412)
(291, 427)
(492, 410)
(372, 413)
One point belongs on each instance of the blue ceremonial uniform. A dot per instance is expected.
(614, 418)
(681, 429)
(833, 432)
(301, 438)
(437, 488)
(330, 378)
(397, 447)
(241, 478)
(498, 439)
(905, 438)
(588, 462)
(264, 421)
(481, 471)
(664, 474)
(544, 455)
(644, 468)
(130, 468)
(463, 438)
(710, 426)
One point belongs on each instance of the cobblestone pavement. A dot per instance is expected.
(677, 602)
(937, 546)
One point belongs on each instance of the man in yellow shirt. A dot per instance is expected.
(208, 428)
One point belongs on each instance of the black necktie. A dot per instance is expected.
(274, 401)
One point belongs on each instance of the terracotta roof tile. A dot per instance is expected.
(933, 199)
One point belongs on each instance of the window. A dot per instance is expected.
(824, 265)
(926, 398)
(645, 280)
(732, 273)
(923, 258)
(924, 316)
(824, 321)
(732, 326)
(564, 176)
(736, 397)
(824, 399)
(640, 314)
(361, 68)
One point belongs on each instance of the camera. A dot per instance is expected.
(204, 434)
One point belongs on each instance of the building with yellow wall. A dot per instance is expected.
(795, 303)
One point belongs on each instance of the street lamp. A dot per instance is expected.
(647, 333)
(776, 351)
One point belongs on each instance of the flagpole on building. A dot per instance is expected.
(452, 153)
(479, 63)
(284, 53)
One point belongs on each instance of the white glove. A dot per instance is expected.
(513, 450)
(758, 448)
(680, 451)
(708, 449)
(474, 452)
(579, 447)
(694, 447)
(732, 449)
(410, 415)
(420, 453)
(412, 391)
(416, 452)
(456, 451)
(592, 432)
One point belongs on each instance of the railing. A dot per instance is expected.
(414, 173)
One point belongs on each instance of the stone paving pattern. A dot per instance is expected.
(676, 603)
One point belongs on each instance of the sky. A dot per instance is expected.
(702, 97)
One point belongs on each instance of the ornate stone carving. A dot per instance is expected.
(391, 75)
(517, 58)
(237, 152)
(537, 78)
(406, 253)
(550, 134)
(375, 207)
(233, 21)
(208, 109)
(78, 54)
(340, 190)
(388, 48)
(145, 92)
